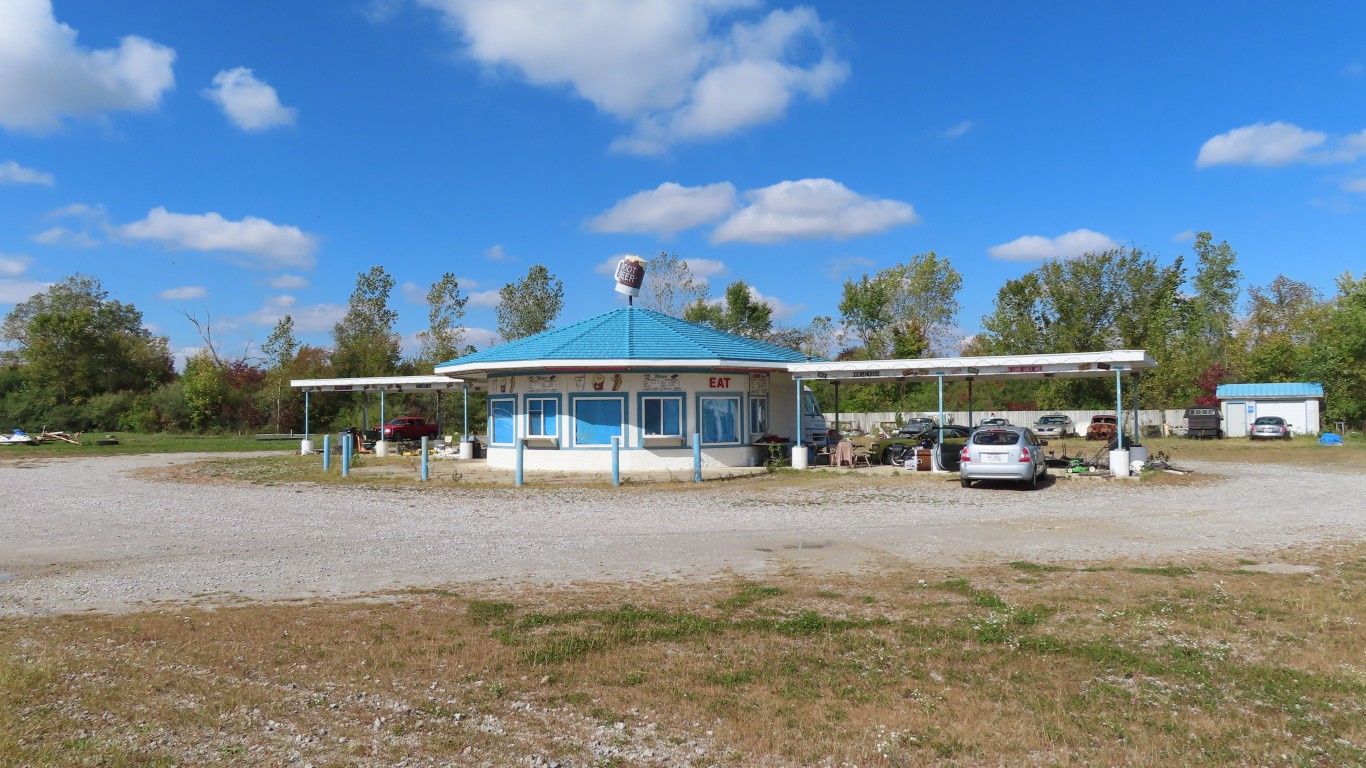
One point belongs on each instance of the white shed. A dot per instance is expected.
(1299, 403)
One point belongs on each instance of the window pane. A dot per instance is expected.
(758, 416)
(500, 414)
(673, 422)
(653, 418)
(720, 420)
(533, 417)
(551, 410)
(596, 421)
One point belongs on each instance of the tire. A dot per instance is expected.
(1033, 481)
(963, 481)
(887, 459)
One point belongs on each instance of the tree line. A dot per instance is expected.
(78, 359)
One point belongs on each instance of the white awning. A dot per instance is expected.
(1069, 365)
(380, 383)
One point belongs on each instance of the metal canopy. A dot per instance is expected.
(379, 384)
(1070, 365)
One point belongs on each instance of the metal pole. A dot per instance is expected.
(696, 457)
(327, 452)
(799, 413)
(426, 471)
(616, 460)
(521, 448)
(381, 414)
(837, 405)
(969, 403)
(307, 434)
(346, 455)
(465, 419)
(1138, 433)
(935, 463)
(1119, 413)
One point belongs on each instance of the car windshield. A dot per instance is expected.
(1271, 420)
(1053, 420)
(1102, 419)
(995, 437)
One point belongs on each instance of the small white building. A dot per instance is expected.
(1299, 403)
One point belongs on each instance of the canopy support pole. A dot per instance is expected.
(1119, 411)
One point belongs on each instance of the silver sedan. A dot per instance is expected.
(1003, 453)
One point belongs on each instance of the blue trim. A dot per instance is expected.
(681, 397)
(512, 406)
(740, 415)
(526, 412)
(571, 439)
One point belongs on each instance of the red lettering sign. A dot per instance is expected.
(719, 382)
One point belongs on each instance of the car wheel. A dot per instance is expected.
(963, 481)
(1033, 481)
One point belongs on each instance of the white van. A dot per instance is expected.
(814, 428)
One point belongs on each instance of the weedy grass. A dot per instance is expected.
(1192, 662)
(138, 442)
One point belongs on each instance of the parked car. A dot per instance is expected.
(407, 428)
(1055, 425)
(1103, 426)
(1269, 428)
(915, 425)
(994, 421)
(954, 437)
(1003, 453)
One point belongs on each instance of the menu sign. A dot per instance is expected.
(662, 382)
(758, 384)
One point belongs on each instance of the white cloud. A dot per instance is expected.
(287, 282)
(184, 292)
(667, 209)
(811, 208)
(413, 293)
(705, 269)
(673, 69)
(65, 238)
(781, 309)
(45, 75)
(1070, 245)
(274, 245)
(1278, 144)
(1184, 236)
(78, 210)
(249, 103)
(13, 266)
(495, 253)
(1354, 185)
(958, 130)
(481, 338)
(15, 291)
(14, 173)
(485, 299)
(314, 318)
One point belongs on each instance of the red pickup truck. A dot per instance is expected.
(407, 428)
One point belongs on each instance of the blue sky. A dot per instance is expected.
(245, 160)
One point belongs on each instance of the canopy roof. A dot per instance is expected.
(625, 338)
(1287, 389)
(379, 383)
(1070, 365)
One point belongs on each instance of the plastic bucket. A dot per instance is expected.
(1119, 463)
(467, 449)
(1138, 453)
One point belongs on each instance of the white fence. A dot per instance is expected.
(872, 422)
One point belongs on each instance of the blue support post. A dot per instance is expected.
(426, 471)
(346, 455)
(521, 449)
(616, 460)
(465, 419)
(381, 413)
(1119, 413)
(799, 414)
(307, 435)
(327, 452)
(696, 458)
(938, 449)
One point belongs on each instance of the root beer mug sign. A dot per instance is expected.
(630, 274)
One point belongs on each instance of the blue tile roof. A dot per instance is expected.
(632, 333)
(1292, 389)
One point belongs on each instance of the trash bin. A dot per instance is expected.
(1119, 463)
(466, 449)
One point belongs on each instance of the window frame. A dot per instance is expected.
(740, 412)
(677, 397)
(573, 437)
(754, 429)
(493, 403)
(554, 420)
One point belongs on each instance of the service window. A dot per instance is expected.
(719, 419)
(501, 424)
(597, 420)
(542, 417)
(758, 416)
(662, 416)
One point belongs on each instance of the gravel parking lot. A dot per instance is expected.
(83, 534)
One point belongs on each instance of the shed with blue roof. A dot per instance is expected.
(649, 380)
(1299, 403)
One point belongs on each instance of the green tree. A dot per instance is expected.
(911, 307)
(364, 342)
(740, 312)
(73, 342)
(280, 350)
(444, 338)
(206, 390)
(670, 287)
(1277, 336)
(1337, 356)
(530, 305)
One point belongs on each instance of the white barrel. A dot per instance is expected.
(1136, 467)
(305, 447)
(381, 448)
(1119, 463)
(466, 449)
(799, 456)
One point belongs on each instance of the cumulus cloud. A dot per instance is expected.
(1273, 144)
(250, 104)
(811, 208)
(14, 291)
(1184, 236)
(313, 318)
(495, 253)
(489, 298)
(13, 266)
(62, 237)
(184, 293)
(481, 338)
(288, 282)
(705, 268)
(1036, 248)
(45, 75)
(14, 173)
(673, 69)
(781, 309)
(667, 209)
(272, 246)
(79, 211)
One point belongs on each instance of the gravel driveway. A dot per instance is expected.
(82, 534)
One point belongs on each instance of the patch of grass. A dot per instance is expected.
(1167, 570)
(1028, 567)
